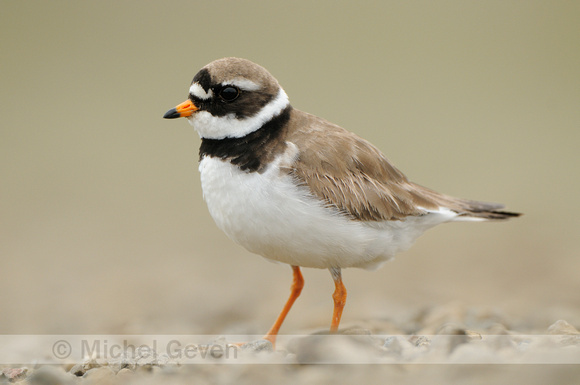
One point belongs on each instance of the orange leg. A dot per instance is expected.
(295, 289)
(339, 298)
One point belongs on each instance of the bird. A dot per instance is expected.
(300, 190)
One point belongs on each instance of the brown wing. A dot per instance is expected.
(351, 174)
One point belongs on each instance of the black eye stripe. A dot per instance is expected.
(246, 104)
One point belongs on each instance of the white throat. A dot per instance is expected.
(228, 126)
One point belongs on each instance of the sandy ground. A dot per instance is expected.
(449, 344)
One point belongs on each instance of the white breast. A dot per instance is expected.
(271, 216)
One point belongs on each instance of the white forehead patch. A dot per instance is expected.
(229, 126)
(198, 91)
(243, 84)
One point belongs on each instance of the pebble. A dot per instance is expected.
(15, 374)
(562, 327)
(80, 369)
(125, 363)
(124, 373)
(102, 375)
(257, 346)
(570, 335)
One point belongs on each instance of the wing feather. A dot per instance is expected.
(352, 175)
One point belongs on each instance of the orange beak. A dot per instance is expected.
(183, 110)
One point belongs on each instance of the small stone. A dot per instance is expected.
(497, 329)
(570, 335)
(258, 346)
(79, 370)
(100, 375)
(125, 363)
(562, 327)
(450, 329)
(125, 372)
(421, 341)
(15, 374)
(452, 336)
(149, 359)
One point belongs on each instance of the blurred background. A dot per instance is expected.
(103, 228)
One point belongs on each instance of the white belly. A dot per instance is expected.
(269, 215)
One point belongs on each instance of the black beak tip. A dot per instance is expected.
(171, 114)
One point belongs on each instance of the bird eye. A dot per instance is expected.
(229, 93)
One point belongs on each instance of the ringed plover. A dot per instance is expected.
(297, 189)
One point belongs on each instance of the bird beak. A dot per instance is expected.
(182, 110)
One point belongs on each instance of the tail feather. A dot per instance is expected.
(465, 208)
(489, 215)
(484, 210)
